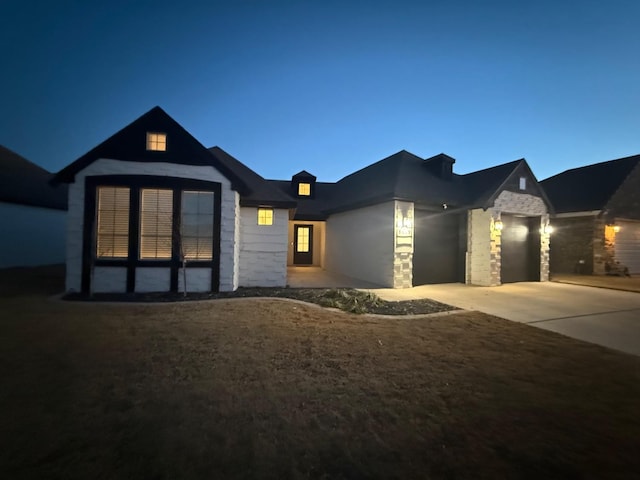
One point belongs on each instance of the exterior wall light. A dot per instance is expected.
(616, 228)
(547, 229)
(496, 223)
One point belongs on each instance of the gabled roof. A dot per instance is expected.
(26, 183)
(405, 176)
(588, 188)
(259, 191)
(129, 144)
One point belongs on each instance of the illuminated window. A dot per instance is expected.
(112, 236)
(157, 142)
(196, 232)
(304, 189)
(156, 221)
(523, 183)
(304, 239)
(265, 216)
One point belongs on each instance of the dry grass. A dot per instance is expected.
(272, 389)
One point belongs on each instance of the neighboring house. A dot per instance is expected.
(597, 221)
(151, 195)
(32, 214)
(407, 221)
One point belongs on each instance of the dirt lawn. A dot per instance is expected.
(271, 389)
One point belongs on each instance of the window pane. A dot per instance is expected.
(156, 223)
(197, 225)
(304, 189)
(112, 231)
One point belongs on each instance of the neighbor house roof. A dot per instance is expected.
(405, 176)
(26, 183)
(129, 144)
(588, 188)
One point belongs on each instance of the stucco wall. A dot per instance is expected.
(263, 249)
(360, 243)
(229, 206)
(31, 235)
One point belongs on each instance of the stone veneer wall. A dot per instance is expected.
(484, 242)
(403, 246)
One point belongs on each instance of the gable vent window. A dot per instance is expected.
(157, 142)
(112, 235)
(523, 183)
(304, 189)
(265, 216)
(156, 221)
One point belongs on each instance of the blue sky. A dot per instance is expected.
(328, 86)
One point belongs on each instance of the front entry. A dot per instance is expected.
(303, 244)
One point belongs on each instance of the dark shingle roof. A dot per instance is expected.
(404, 176)
(128, 144)
(588, 188)
(25, 183)
(259, 191)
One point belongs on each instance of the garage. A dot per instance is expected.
(438, 247)
(520, 249)
(627, 245)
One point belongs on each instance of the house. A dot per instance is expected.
(32, 214)
(407, 221)
(151, 209)
(151, 201)
(597, 220)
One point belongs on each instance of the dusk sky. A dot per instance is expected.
(328, 86)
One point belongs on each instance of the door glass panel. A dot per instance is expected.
(303, 239)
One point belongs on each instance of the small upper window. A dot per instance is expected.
(304, 189)
(157, 142)
(265, 216)
(523, 183)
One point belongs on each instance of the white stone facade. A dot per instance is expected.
(100, 281)
(403, 245)
(263, 249)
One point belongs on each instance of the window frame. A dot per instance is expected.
(156, 140)
(270, 218)
(307, 189)
(136, 183)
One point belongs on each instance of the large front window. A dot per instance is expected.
(112, 235)
(156, 223)
(196, 232)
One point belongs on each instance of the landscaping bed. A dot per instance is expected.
(347, 299)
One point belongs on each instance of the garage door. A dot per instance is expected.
(438, 247)
(627, 246)
(520, 249)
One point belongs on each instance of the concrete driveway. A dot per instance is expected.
(606, 317)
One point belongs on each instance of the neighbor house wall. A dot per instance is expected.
(573, 244)
(75, 222)
(263, 249)
(360, 243)
(31, 235)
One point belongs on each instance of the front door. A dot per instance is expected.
(303, 244)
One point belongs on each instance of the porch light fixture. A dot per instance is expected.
(616, 228)
(547, 229)
(404, 226)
